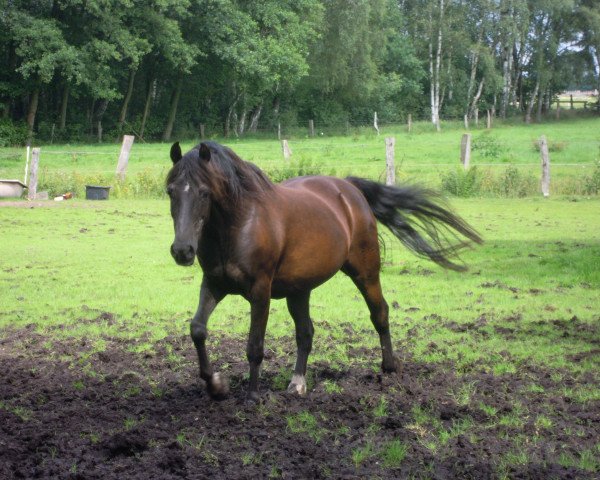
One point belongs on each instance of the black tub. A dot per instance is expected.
(95, 192)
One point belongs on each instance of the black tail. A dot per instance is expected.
(419, 218)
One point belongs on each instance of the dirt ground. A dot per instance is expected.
(69, 413)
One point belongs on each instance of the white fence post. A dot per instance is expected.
(465, 150)
(390, 177)
(545, 166)
(33, 176)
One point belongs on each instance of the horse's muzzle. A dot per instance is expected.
(183, 254)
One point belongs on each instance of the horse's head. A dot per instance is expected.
(190, 201)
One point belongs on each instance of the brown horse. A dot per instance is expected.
(260, 240)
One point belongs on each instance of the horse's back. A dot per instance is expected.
(325, 219)
(335, 194)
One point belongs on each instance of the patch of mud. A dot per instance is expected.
(114, 414)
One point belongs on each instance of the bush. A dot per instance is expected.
(509, 183)
(145, 184)
(297, 169)
(592, 183)
(514, 183)
(487, 146)
(13, 134)
(553, 147)
(462, 183)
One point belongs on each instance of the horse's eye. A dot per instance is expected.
(169, 191)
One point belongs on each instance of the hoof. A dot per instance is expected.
(297, 385)
(218, 387)
(392, 367)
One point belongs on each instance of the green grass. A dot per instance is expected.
(306, 423)
(102, 270)
(393, 453)
(422, 155)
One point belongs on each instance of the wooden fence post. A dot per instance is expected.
(409, 122)
(545, 166)
(311, 128)
(202, 131)
(465, 150)
(572, 106)
(466, 122)
(375, 125)
(278, 130)
(489, 120)
(558, 109)
(390, 177)
(26, 163)
(33, 175)
(124, 156)
(287, 151)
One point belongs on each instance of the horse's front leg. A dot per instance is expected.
(209, 298)
(260, 299)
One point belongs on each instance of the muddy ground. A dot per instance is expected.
(68, 413)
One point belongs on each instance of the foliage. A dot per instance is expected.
(298, 168)
(237, 66)
(592, 182)
(461, 182)
(514, 183)
(12, 133)
(487, 146)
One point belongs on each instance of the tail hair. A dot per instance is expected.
(420, 219)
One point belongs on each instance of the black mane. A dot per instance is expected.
(229, 178)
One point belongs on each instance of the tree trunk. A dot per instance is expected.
(532, 101)
(173, 110)
(254, 120)
(98, 117)
(540, 105)
(596, 55)
(474, 63)
(474, 108)
(31, 112)
(232, 115)
(126, 100)
(146, 114)
(507, 66)
(242, 123)
(434, 68)
(62, 124)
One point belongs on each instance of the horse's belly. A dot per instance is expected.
(303, 270)
(284, 287)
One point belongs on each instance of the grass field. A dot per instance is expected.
(500, 363)
(422, 155)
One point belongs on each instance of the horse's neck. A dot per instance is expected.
(218, 234)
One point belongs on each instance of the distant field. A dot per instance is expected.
(422, 155)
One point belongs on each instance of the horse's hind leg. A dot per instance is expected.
(298, 306)
(370, 287)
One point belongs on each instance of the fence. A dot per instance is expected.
(368, 155)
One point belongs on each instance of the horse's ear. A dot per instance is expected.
(204, 152)
(176, 152)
